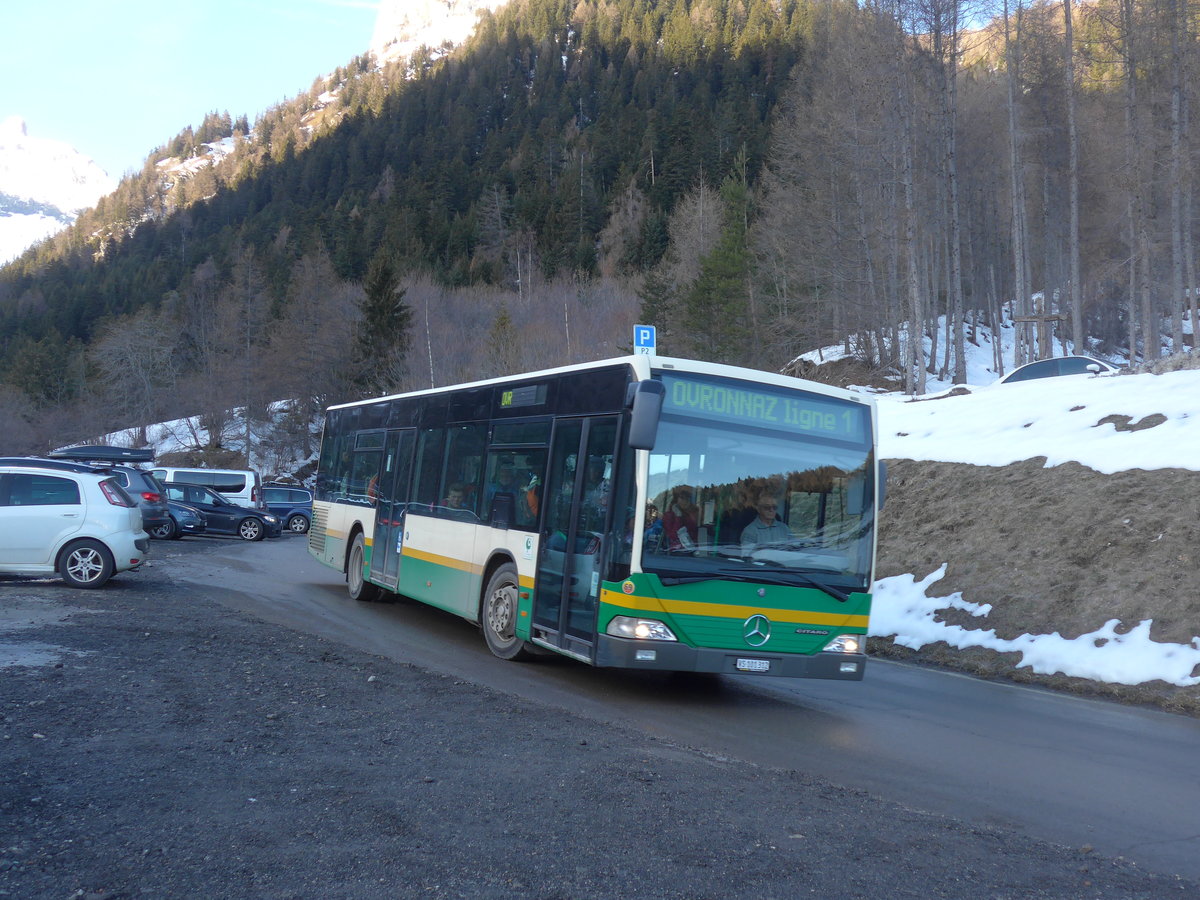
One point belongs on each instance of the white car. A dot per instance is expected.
(1059, 365)
(69, 518)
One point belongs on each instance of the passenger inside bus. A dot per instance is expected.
(504, 493)
(680, 521)
(455, 503)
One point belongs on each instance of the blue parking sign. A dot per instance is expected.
(644, 339)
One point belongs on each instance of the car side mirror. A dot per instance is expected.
(1094, 368)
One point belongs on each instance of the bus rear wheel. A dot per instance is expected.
(360, 588)
(499, 615)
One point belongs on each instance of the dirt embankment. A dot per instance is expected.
(1062, 549)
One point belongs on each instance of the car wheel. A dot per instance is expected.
(86, 564)
(499, 614)
(167, 531)
(298, 524)
(360, 588)
(251, 529)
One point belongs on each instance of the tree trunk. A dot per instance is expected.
(1075, 287)
(1176, 187)
(1020, 303)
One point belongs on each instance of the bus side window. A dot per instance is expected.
(464, 462)
(364, 478)
(430, 450)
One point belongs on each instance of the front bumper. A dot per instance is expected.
(670, 656)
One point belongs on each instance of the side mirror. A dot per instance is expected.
(647, 407)
(1093, 368)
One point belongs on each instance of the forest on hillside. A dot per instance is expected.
(758, 178)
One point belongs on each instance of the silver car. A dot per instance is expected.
(68, 518)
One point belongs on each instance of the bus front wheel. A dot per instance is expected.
(499, 614)
(360, 588)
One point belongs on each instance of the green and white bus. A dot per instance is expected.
(641, 512)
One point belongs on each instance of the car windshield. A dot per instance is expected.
(768, 486)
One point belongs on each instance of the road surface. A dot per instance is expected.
(1072, 771)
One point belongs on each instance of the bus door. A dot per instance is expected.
(390, 506)
(574, 539)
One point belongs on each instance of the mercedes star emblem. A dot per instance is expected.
(757, 630)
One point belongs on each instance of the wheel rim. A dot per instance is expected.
(250, 529)
(502, 612)
(162, 531)
(85, 564)
(297, 524)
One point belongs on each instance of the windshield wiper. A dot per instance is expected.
(784, 580)
(835, 592)
(715, 576)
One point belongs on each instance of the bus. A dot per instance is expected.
(641, 512)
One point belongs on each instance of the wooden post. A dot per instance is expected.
(1042, 320)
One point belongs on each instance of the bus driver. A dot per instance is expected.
(766, 529)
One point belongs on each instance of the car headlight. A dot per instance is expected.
(270, 519)
(845, 643)
(640, 629)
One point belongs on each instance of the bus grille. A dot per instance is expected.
(316, 531)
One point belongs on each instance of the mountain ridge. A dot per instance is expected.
(44, 185)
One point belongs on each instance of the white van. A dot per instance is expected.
(240, 486)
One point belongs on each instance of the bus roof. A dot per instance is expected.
(643, 367)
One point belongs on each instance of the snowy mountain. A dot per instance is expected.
(44, 184)
(405, 25)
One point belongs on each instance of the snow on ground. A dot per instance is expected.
(1060, 419)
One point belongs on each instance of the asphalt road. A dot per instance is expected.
(1080, 773)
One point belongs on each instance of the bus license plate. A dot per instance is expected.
(753, 665)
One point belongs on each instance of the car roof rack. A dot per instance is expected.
(32, 462)
(103, 453)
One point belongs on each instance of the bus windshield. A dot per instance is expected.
(751, 482)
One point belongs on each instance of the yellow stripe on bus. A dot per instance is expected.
(729, 611)
(449, 562)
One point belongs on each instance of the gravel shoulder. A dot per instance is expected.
(178, 748)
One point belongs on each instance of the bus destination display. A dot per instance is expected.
(806, 413)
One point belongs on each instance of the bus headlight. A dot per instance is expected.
(640, 629)
(845, 643)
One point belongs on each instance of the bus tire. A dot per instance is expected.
(360, 588)
(498, 614)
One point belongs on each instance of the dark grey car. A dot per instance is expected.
(223, 516)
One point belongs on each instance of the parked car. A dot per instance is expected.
(184, 520)
(1060, 365)
(139, 484)
(223, 516)
(241, 486)
(293, 505)
(69, 518)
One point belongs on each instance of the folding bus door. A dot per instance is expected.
(575, 533)
(393, 494)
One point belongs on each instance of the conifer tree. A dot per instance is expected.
(384, 335)
(503, 353)
(717, 306)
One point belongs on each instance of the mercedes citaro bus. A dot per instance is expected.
(641, 512)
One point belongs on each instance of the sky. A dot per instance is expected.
(117, 79)
(999, 424)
